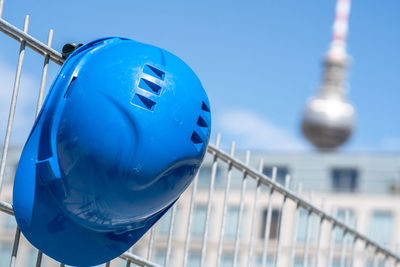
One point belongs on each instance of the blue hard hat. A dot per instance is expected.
(121, 135)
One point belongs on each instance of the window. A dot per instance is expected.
(5, 254)
(8, 221)
(281, 173)
(205, 176)
(231, 222)
(344, 179)
(302, 226)
(274, 228)
(164, 223)
(341, 216)
(270, 261)
(227, 260)
(199, 219)
(380, 227)
(159, 257)
(194, 260)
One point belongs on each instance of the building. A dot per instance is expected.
(360, 187)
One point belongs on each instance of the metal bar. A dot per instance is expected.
(295, 228)
(307, 244)
(13, 105)
(44, 75)
(319, 237)
(169, 242)
(39, 259)
(107, 264)
(1, 7)
(366, 255)
(332, 242)
(354, 247)
(128, 263)
(31, 42)
(151, 242)
(343, 241)
(189, 224)
(281, 229)
(6, 207)
(308, 231)
(292, 196)
(15, 247)
(225, 207)
(254, 217)
(376, 255)
(241, 207)
(267, 228)
(209, 206)
(138, 260)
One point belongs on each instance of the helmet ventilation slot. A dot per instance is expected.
(201, 122)
(152, 71)
(149, 86)
(69, 86)
(205, 107)
(143, 102)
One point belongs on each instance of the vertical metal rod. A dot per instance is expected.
(366, 255)
(332, 240)
(267, 228)
(8, 133)
(39, 259)
(307, 244)
(254, 217)
(1, 8)
(169, 242)
(15, 247)
(354, 247)
(343, 241)
(189, 224)
(44, 74)
(209, 205)
(38, 106)
(308, 231)
(281, 219)
(151, 242)
(295, 229)
(128, 262)
(353, 252)
(376, 258)
(241, 207)
(107, 264)
(319, 237)
(13, 104)
(225, 207)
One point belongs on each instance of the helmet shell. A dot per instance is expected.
(121, 135)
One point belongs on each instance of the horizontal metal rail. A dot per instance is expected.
(300, 201)
(31, 42)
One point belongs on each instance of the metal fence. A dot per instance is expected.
(271, 242)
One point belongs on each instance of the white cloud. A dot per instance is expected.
(26, 104)
(252, 131)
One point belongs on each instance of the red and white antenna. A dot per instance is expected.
(329, 119)
(340, 29)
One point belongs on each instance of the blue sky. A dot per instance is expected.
(259, 61)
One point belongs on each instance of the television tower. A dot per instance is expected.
(329, 118)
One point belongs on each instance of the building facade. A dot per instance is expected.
(359, 189)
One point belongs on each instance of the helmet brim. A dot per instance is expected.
(45, 225)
